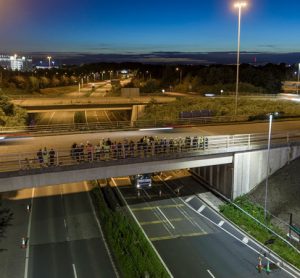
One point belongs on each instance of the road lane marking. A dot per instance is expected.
(209, 272)
(151, 208)
(160, 238)
(146, 194)
(28, 236)
(189, 199)
(166, 218)
(201, 208)
(74, 270)
(101, 232)
(65, 223)
(160, 221)
(245, 240)
(221, 223)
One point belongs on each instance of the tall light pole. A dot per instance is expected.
(239, 5)
(180, 74)
(268, 163)
(298, 78)
(49, 60)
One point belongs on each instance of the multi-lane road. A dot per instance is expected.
(64, 236)
(190, 237)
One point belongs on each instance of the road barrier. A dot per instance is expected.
(151, 149)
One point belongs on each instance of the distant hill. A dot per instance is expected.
(205, 58)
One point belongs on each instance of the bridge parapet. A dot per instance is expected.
(133, 152)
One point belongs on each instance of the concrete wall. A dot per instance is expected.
(137, 111)
(130, 92)
(219, 177)
(77, 173)
(250, 168)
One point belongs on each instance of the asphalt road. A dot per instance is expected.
(65, 141)
(190, 244)
(64, 236)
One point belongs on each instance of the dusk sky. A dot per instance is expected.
(143, 26)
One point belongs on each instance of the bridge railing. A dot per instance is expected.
(118, 125)
(140, 151)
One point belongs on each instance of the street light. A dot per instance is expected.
(268, 163)
(49, 59)
(298, 78)
(180, 74)
(239, 5)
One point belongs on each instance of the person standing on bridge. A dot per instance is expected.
(51, 157)
(39, 155)
(45, 156)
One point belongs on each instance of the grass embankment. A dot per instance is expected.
(258, 231)
(59, 91)
(220, 107)
(134, 255)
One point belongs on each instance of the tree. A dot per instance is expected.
(34, 84)
(5, 219)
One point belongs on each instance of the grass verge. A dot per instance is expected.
(133, 254)
(258, 231)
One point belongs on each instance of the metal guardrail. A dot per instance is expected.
(39, 130)
(134, 152)
(115, 125)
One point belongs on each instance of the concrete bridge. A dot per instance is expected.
(232, 164)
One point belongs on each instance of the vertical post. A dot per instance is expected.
(238, 61)
(57, 161)
(290, 226)
(249, 141)
(298, 78)
(268, 162)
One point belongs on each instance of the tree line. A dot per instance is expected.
(153, 78)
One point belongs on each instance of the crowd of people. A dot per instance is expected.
(107, 149)
(146, 146)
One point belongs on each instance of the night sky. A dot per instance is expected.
(115, 26)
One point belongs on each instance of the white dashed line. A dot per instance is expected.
(221, 223)
(245, 240)
(189, 199)
(201, 208)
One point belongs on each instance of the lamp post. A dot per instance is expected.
(239, 5)
(49, 60)
(180, 74)
(268, 164)
(298, 78)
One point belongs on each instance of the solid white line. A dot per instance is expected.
(28, 236)
(166, 218)
(201, 208)
(101, 232)
(74, 270)
(221, 223)
(209, 272)
(189, 199)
